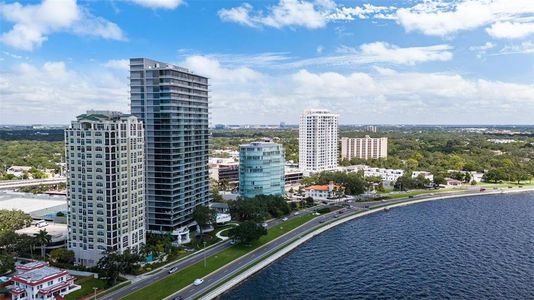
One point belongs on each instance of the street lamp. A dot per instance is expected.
(94, 289)
(204, 254)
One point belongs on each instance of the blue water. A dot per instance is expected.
(469, 248)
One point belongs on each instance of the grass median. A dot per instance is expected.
(185, 277)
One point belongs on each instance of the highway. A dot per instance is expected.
(191, 291)
(188, 261)
(12, 184)
(221, 275)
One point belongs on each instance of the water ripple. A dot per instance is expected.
(470, 248)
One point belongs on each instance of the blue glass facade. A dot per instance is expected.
(172, 102)
(261, 169)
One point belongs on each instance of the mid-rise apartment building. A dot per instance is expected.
(261, 169)
(105, 184)
(364, 148)
(318, 141)
(172, 102)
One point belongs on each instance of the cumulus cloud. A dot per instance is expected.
(383, 95)
(212, 68)
(522, 48)
(296, 13)
(53, 93)
(510, 30)
(440, 18)
(163, 4)
(118, 64)
(33, 23)
(378, 52)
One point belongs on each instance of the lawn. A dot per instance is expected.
(87, 284)
(417, 193)
(185, 277)
(506, 185)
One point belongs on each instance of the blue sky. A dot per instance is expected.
(390, 62)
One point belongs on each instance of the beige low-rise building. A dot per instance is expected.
(364, 148)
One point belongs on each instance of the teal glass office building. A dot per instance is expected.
(261, 169)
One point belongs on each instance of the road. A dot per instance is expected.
(12, 184)
(221, 275)
(189, 261)
(216, 277)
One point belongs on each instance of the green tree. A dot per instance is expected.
(247, 232)
(112, 264)
(204, 216)
(62, 255)
(11, 220)
(42, 238)
(7, 264)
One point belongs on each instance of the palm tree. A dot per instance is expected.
(43, 238)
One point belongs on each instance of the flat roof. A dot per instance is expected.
(57, 231)
(38, 274)
(30, 203)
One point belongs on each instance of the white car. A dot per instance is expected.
(173, 269)
(284, 219)
(297, 213)
(198, 281)
(265, 225)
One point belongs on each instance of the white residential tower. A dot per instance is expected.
(318, 141)
(105, 184)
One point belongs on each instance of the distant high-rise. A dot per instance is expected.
(371, 128)
(364, 148)
(173, 104)
(261, 169)
(318, 141)
(105, 184)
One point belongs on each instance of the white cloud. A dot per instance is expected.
(292, 13)
(33, 23)
(212, 68)
(510, 30)
(366, 11)
(383, 95)
(53, 93)
(486, 46)
(265, 59)
(523, 48)
(303, 13)
(482, 49)
(378, 52)
(440, 18)
(164, 4)
(118, 64)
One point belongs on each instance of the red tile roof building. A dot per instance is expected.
(37, 280)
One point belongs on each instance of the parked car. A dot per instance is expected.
(297, 213)
(173, 269)
(284, 219)
(265, 225)
(232, 242)
(198, 281)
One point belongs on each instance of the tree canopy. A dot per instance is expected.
(247, 232)
(259, 208)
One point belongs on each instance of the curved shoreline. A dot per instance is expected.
(258, 266)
